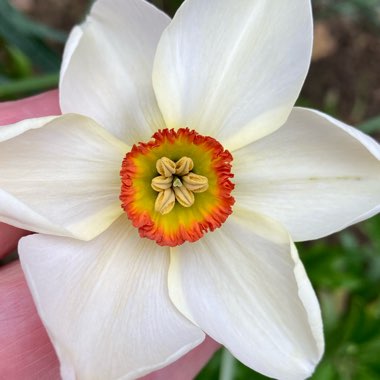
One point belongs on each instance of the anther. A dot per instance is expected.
(165, 166)
(161, 183)
(184, 166)
(195, 182)
(165, 201)
(184, 196)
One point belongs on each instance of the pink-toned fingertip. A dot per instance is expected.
(187, 367)
(25, 349)
(44, 104)
(9, 237)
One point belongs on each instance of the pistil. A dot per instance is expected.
(176, 182)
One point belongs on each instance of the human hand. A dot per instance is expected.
(25, 348)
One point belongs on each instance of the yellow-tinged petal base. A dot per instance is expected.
(211, 207)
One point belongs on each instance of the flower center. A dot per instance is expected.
(177, 186)
(176, 182)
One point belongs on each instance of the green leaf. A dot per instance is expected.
(25, 26)
(28, 36)
(371, 126)
(14, 89)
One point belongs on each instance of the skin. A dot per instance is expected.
(25, 349)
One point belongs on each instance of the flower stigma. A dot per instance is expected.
(177, 187)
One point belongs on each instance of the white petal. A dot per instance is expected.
(107, 69)
(71, 45)
(62, 178)
(12, 130)
(245, 286)
(105, 303)
(315, 175)
(233, 70)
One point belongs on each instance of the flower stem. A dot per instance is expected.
(228, 366)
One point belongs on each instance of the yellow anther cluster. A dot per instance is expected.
(176, 182)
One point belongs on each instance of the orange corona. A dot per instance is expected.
(208, 209)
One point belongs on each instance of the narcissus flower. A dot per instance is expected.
(145, 244)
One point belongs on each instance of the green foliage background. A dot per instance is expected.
(344, 268)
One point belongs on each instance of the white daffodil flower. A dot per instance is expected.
(144, 244)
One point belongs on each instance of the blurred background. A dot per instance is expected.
(344, 81)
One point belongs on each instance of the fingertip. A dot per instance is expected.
(25, 350)
(9, 237)
(187, 367)
(44, 104)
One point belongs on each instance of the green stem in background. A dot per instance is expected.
(17, 88)
(228, 366)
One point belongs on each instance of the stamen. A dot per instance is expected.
(182, 186)
(165, 201)
(165, 166)
(184, 196)
(195, 182)
(161, 183)
(184, 166)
